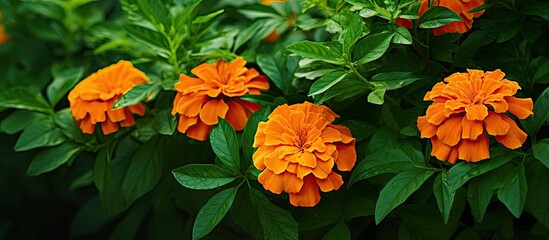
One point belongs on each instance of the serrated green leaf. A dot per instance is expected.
(438, 16)
(372, 47)
(398, 189)
(316, 51)
(225, 145)
(39, 134)
(326, 82)
(444, 194)
(63, 81)
(277, 223)
(213, 211)
(150, 38)
(155, 12)
(203, 176)
(145, 169)
(513, 191)
(21, 98)
(50, 159)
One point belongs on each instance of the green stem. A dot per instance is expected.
(368, 84)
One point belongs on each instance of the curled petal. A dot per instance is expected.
(332, 182)
(476, 112)
(474, 150)
(520, 107)
(450, 131)
(471, 129)
(515, 137)
(212, 110)
(309, 196)
(496, 126)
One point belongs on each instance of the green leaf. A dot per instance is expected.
(278, 67)
(277, 223)
(63, 81)
(536, 8)
(150, 38)
(438, 16)
(481, 189)
(394, 80)
(84, 179)
(384, 161)
(248, 136)
(51, 158)
(339, 231)
(203, 176)
(444, 195)
(351, 33)
(541, 114)
(145, 169)
(538, 196)
(343, 90)
(460, 173)
(39, 134)
(128, 227)
(541, 151)
(372, 47)
(326, 82)
(19, 120)
(316, 51)
(402, 36)
(398, 189)
(21, 98)
(542, 74)
(247, 34)
(377, 96)
(155, 12)
(213, 211)
(207, 18)
(164, 122)
(513, 192)
(225, 145)
(136, 95)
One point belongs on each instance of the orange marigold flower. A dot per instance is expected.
(268, 2)
(215, 93)
(297, 148)
(92, 99)
(461, 7)
(3, 36)
(467, 107)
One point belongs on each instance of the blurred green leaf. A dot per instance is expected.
(377, 96)
(372, 47)
(541, 75)
(438, 16)
(21, 98)
(398, 189)
(155, 12)
(203, 176)
(145, 169)
(85, 179)
(164, 122)
(316, 51)
(39, 134)
(513, 191)
(277, 223)
(63, 81)
(213, 211)
(50, 159)
(150, 38)
(225, 145)
(207, 18)
(536, 8)
(339, 231)
(19, 120)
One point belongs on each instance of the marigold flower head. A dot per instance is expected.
(468, 106)
(215, 93)
(3, 36)
(92, 99)
(298, 147)
(461, 7)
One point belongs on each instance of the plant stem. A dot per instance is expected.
(368, 84)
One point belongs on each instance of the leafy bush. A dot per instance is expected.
(331, 119)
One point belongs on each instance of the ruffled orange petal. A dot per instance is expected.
(496, 126)
(213, 109)
(450, 131)
(346, 157)
(185, 123)
(332, 182)
(108, 127)
(271, 181)
(476, 112)
(520, 107)
(515, 137)
(309, 196)
(471, 129)
(474, 150)
(199, 131)
(236, 115)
